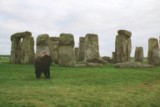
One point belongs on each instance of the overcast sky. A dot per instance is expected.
(79, 17)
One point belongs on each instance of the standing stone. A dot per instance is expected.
(76, 50)
(123, 46)
(139, 54)
(114, 57)
(91, 47)
(54, 49)
(42, 44)
(81, 48)
(22, 50)
(27, 46)
(153, 51)
(15, 49)
(66, 55)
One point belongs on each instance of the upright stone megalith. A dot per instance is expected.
(42, 45)
(153, 52)
(91, 47)
(66, 55)
(54, 49)
(22, 50)
(139, 54)
(81, 48)
(123, 46)
(76, 50)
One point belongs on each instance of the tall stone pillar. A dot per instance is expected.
(91, 47)
(153, 52)
(27, 46)
(42, 45)
(15, 49)
(66, 55)
(139, 54)
(81, 48)
(54, 49)
(76, 50)
(123, 46)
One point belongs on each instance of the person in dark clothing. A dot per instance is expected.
(42, 65)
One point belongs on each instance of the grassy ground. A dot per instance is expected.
(79, 87)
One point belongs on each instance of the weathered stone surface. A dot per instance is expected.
(97, 60)
(81, 48)
(42, 45)
(27, 46)
(139, 54)
(124, 32)
(20, 35)
(54, 49)
(107, 59)
(114, 57)
(123, 48)
(153, 52)
(76, 50)
(91, 47)
(66, 55)
(22, 49)
(66, 39)
(132, 65)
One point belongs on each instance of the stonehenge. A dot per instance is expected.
(139, 54)
(42, 45)
(153, 52)
(123, 46)
(76, 50)
(62, 49)
(81, 48)
(54, 49)
(91, 47)
(22, 49)
(66, 55)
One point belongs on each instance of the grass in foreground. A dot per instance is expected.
(79, 87)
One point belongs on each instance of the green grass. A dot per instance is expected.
(79, 87)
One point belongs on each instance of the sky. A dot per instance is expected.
(79, 17)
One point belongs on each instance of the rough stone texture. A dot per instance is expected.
(42, 45)
(22, 49)
(54, 49)
(91, 47)
(139, 54)
(66, 55)
(114, 57)
(132, 65)
(123, 47)
(153, 52)
(81, 48)
(27, 46)
(76, 50)
(107, 59)
(124, 32)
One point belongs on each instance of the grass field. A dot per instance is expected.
(79, 87)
